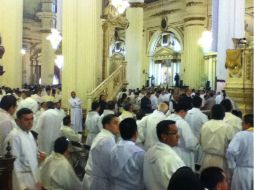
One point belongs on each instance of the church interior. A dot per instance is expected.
(99, 48)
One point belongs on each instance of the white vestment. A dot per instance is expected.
(69, 133)
(48, 98)
(26, 164)
(98, 164)
(61, 113)
(148, 126)
(29, 103)
(125, 115)
(48, 129)
(241, 152)
(76, 114)
(160, 162)
(215, 137)
(105, 113)
(187, 141)
(233, 121)
(7, 123)
(154, 101)
(56, 173)
(127, 166)
(196, 119)
(92, 125)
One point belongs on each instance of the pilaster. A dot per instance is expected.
(11, 26)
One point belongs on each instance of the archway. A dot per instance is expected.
(164, 52)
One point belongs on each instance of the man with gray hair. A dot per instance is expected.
(147, 126)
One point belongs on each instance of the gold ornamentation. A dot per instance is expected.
(234, 63)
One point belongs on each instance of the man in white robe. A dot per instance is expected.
(76, 112)
(110, 109)
(234, 121)
(241, 152)
(59, 110)
(127, 159)
(24, 149)
(68, 132)
(148, 125)
(196, 119)
(188, 142)
(154, 100)
(56, 171)
(48, 96)
(98, 165)
(7, 109)
(161, 161)
(215, 137)
(48, 128)
(92, 123)
(127, 112)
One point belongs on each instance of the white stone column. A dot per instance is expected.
(230, 25)
(80, 29)
(134, 44)
(11, 27)
(48, 19)
(193, 27)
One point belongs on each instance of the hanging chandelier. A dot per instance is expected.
(120, 5)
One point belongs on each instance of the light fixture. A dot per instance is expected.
(59, 61)
(120, 5)
(23, 51)
(55, 38)
(206, 41)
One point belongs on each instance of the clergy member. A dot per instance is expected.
(67, 130)
(196, 120)
(24, 149)
(241, 152)
(215, 137)
(76, 112)
(48, 128)
(127, 159)
(234, 121)
(109, 109)
(147, 126)
(93, 123)
(98, 164)
(56, 171)
(8, 106)
(188, 141)
(161, 161)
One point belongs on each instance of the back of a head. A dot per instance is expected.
(210, 177)
(110, 105)
(107, 119)
(163, 107)
(66, 120)
(218, 112)
(184, 179)
(128, 128)
(162, 127)
(181, 107)
(197, 101)
(248, 119)
(226, 103)
(50, 105)
(7, 102)
(95, 105)
(61, 145)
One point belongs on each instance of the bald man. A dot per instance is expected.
(148, 125)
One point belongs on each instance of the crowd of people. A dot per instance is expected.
(147, 139)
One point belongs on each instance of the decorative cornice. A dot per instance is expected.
(137, 5)
(190, 4)
(166, 12)
(194, 19)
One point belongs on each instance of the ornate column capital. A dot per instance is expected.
(195, 12)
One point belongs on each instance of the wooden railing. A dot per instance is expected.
(110, 86)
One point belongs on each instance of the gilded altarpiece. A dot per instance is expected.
(239, 64)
